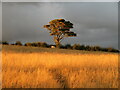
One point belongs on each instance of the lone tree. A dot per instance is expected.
(60, 28)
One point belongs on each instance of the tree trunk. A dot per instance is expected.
(57, 42)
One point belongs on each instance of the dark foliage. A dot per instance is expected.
(76, 46)
(28, 44)
(60, 28)
(18, 43)
(67, 46)
(37, 44)
(4, 43)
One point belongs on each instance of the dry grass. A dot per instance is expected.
(59, 70)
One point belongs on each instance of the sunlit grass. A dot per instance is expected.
(59, 70)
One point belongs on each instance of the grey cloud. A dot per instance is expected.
(60, 0)
(95, 23)
(21, 21)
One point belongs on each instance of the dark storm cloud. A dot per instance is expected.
(94, 23)
(24, 21)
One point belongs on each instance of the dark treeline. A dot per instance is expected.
(67, 46)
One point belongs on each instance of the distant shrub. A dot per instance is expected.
(82, 47)
(109, 49)
(18, 43)
(68, 46)
(61, 46)
(37, 44)
(76, 46)
(34, 44)
(104, 49)
(5, 43)
(112, 50)
(28, 44)
(12, 44)
(96, 48)
(92, 48)
(115, 50)
(43, 44)
(88, 48)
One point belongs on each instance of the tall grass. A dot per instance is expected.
(59, 70)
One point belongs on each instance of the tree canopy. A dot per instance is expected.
(60, 28)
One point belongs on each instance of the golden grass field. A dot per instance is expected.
(30, 67)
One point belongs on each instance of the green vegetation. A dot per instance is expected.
(67, 46)
(60, 28)
(24, 49)
(4, 43)
(18, 43)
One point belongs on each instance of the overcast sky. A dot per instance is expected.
(95, 23)
(60, 0)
